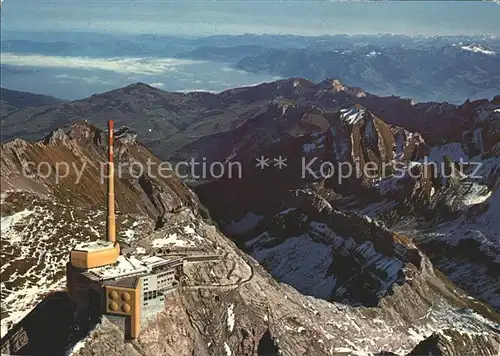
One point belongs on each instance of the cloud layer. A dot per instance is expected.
(78, 77)
(134, 66)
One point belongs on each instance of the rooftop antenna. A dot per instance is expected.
(111, 227)
(99, 253)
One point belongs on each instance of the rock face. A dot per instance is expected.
(451, 342)
(334, 255)
(440, 195)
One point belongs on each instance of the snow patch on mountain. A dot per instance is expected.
(230, 317)
(374, 209)
(399, 145)
(8, 222)
(389, 185)
(173, 239)
(479, 235)
(490, 219)
(352, 115)
(373, 54)
(316, 143)
(227, 349)
(477, 194)
(300, 262)
(388, 266)
(305, 261)
(33, 253)
(308, 147)
(453, 150)
(478, 49)
(81, 344)
(130, 233)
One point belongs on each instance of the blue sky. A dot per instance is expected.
(236, 17)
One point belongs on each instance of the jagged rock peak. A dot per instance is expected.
(55, 136)
(126, 135)
(451, 342)
(80, 130)
(337, 85)
(84, 130)
(297, 82)
(15, 144)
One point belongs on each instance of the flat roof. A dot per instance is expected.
(122, 268)
(129, 282)
(153, 261)
(93, 246)
(129, 266)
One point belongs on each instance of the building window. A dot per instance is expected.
(149, 295)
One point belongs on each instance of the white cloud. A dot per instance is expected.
(136, 66)
(157, 85)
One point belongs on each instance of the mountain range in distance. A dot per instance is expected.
(371, 265)
(12, 100)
